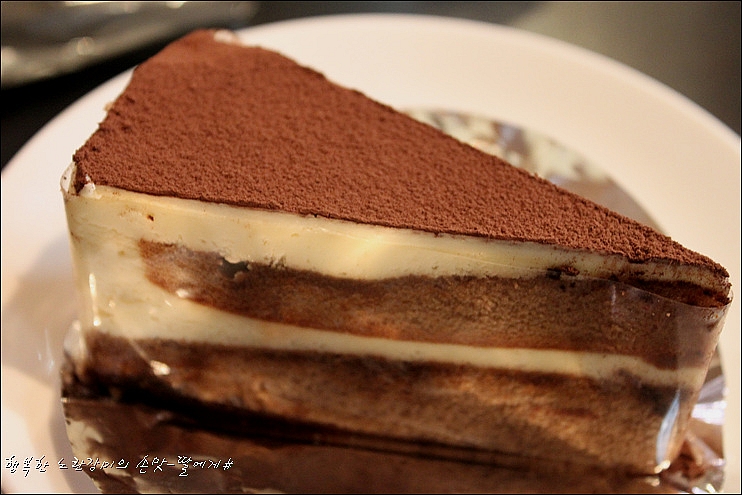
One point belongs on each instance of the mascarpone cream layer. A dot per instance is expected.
(331, 247)
(106, 225)
(156, 314)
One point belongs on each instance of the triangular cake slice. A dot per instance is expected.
(252, 237)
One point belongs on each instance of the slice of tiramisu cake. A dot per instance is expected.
(251, 238)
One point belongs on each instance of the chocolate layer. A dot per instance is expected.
(553, 311)
(224, 123)
(616, 423)
(263, 458)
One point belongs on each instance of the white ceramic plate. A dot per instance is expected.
(680, 163)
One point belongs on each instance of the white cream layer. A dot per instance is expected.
(106, 225)
(335, 247)
(174, 318)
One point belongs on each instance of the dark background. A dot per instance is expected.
(693, 47)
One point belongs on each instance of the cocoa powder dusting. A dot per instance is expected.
(224, 123)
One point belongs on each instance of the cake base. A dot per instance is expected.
(150, 447)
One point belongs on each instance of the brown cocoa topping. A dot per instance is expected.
(245, 126)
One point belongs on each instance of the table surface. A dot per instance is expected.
(693, 47)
